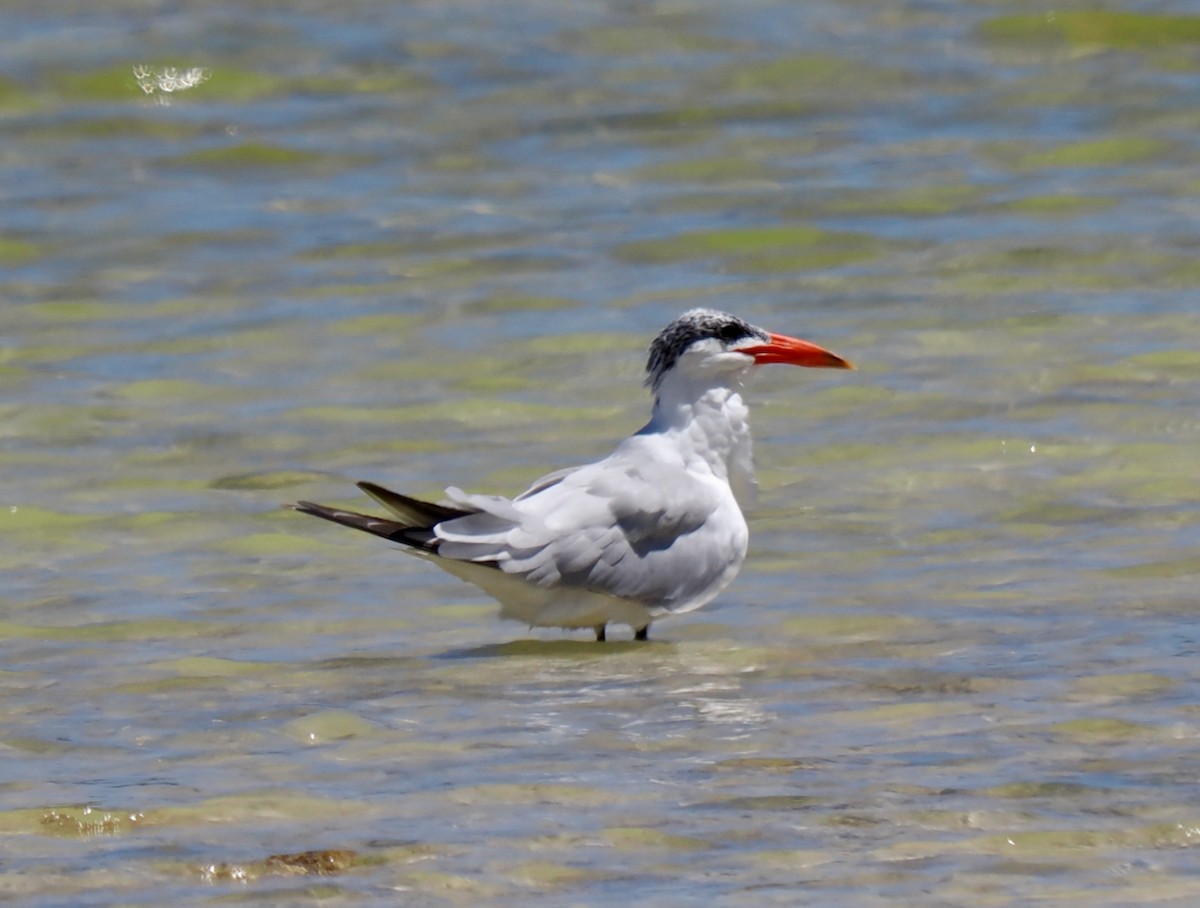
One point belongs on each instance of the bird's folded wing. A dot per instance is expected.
(635, 530)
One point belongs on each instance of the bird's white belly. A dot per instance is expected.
(549, 606)
(579, 608)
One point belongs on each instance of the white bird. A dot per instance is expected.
(653, 529)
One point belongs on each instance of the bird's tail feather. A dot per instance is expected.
(412, 511)
(421, 538)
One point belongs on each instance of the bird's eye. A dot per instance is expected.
(730, 333)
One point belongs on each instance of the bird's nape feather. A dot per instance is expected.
(694, 325)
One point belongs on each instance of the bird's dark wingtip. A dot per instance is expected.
(410, 510)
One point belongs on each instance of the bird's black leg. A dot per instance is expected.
(642, 633)
(600, 637)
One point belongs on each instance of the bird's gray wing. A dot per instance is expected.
(628, 527)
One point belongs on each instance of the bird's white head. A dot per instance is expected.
(705, 342)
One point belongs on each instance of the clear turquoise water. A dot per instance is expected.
(427, 244)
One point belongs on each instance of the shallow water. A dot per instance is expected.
(426, 244)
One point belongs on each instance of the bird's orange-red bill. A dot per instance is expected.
(796, 352)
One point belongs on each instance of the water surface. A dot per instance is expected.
(426, 244)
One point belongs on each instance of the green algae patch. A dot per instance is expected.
(1051, 841)
(501, 303)
(11, 375)
(710, 171)
(534, 793)
(338, 290)
(70, 821)
(214, 667)
(384, 80)
(1061, 513)
(539, 874)
(44, 524)
(917, 201)
(169, 686)
(775, 248)
(267, 480)
(329, 725)
(431, 244)
(85, 309)
(14, 96)
(1046, 268)
(82, 310)
(1047, 841)
(382, 323)
(1023, 790)
(501, 414)
(641, 838)
(455, 612)
(1094, 29)
(111, 83)
(782, 765)
(275, 805)
(269, 545)
(769, 802)
(119, 127)
(456, 161)
(121, 82)
(1057, 205)
(228, 83)
(1167, 569)
(454, 887)
(793, 859)
(27, 820)
(725, 242)
(1131, 685)
(23, 744)
(574, 345)
(250, 155)
(464, 271)
(1098, 730)
(17, 251)
(193, 673)
(902, 714)
(322, 862)
(318, 862)
(809, 75)
(88, 822)
(1175, 363)
(174, 389)
(108, 631)
(1109, 152)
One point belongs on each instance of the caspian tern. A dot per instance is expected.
(653, 529)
